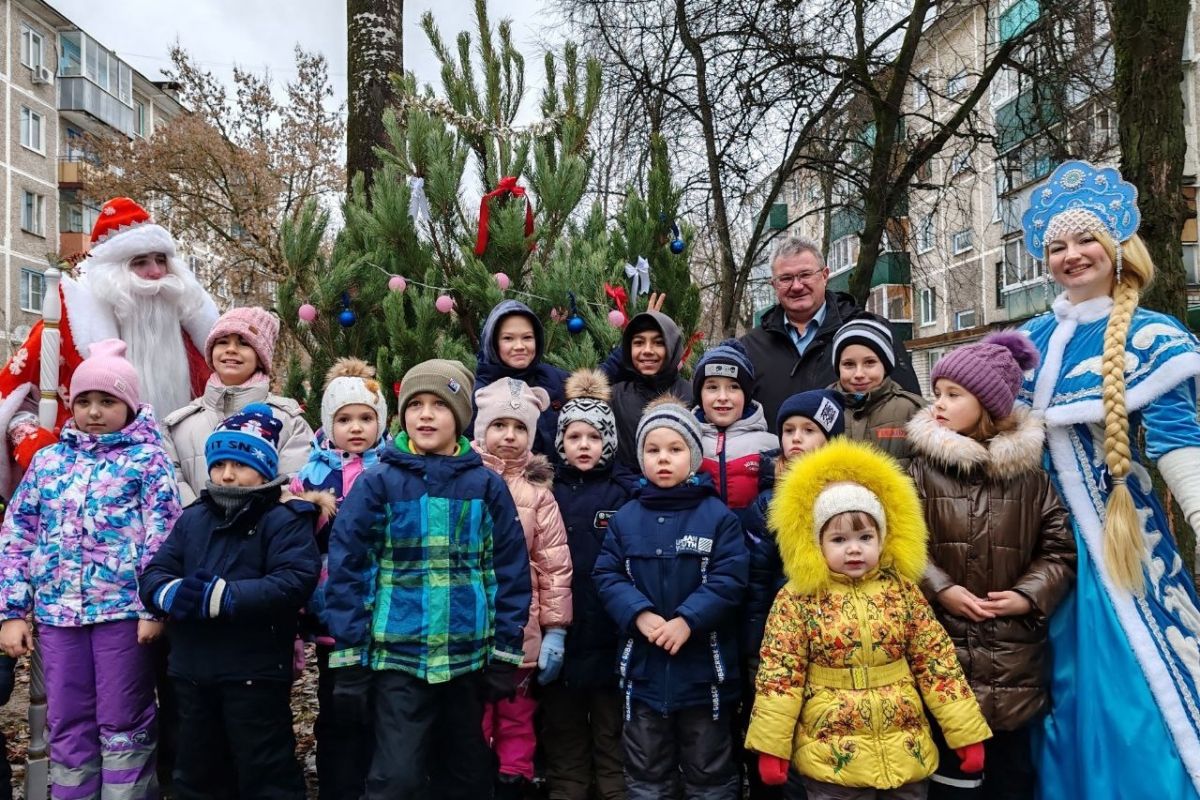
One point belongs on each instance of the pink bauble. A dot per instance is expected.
(444, 303)
(397, 283)
(616, 318)
(307, 312)
(502, 281)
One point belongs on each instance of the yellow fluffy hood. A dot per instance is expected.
(843, 460)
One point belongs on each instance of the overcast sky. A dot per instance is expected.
(260, 34)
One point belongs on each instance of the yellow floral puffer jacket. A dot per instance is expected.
(846, 663)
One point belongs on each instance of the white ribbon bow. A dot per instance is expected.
(418, 202)
(640, 275)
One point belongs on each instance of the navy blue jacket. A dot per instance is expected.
(766, 574)
(588, 500)
(688, 561)
(269, 558)
(551, 378)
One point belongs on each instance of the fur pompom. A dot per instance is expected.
(666, 399)
(349, 368)
(589, 383)
(1022, 348)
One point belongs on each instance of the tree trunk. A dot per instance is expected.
(1148, 44)
(727, 270)
(878, 201)
(374, 50)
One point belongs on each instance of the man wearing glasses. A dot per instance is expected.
(792, 347)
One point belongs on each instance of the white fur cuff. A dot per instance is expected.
(124, 245)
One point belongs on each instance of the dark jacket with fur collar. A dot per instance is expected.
(995, 524)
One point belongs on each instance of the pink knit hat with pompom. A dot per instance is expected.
(991, 369)
(107, 370)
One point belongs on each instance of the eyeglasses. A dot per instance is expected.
(786, 281)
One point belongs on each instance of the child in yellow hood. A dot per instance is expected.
(852, 647)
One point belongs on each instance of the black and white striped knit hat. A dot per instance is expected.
(870, 333)
(588, 400)
(668, 411)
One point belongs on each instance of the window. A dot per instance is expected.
(1005, 86)
(964, 319)
(925, 234)
(31, 130)
(921, 89)
(1103, 128)
(963, 241)
(956, 84)
(139, 119)
(960, 163)
(843, 253)
(32, 47)
(33, 287)
(70, 49)
(33, 213)
(928, 306)
(1020, 267)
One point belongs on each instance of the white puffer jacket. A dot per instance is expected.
(186, 430)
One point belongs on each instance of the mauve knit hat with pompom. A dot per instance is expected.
(991, 369)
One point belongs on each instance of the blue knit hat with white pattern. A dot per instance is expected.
(249, 437)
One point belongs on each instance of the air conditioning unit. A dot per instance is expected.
(43, 75)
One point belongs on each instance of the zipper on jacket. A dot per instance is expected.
(724, 487)
(860, 607)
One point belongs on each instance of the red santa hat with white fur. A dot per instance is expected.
(124, 230)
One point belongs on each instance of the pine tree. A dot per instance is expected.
(437, 139)
(646, 227)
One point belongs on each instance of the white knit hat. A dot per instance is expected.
(350, 381)
(838, 498)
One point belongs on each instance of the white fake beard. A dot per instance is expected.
(149, 318)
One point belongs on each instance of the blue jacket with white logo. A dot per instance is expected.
(679, 553)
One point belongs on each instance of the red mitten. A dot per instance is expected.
(970, 758)
(24, 450)
(772, 769)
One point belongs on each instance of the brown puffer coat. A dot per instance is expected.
(995, 524)
(881, 416)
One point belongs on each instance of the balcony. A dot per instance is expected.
(1028, 301)
(79, 96)
(890, 268)
(74, 173)
(70, 244)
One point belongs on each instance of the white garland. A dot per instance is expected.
(439, 107)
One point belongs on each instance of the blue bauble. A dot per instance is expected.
(677, 246)
(347, 318)
(575, 324)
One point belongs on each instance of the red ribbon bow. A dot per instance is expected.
(687, 351)
(618, 295)
(507, 186)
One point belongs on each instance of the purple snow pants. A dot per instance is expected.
(100, 711)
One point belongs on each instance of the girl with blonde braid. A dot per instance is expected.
(1124, 719)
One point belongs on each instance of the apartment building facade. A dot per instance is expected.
(954, 266)
(59, 84)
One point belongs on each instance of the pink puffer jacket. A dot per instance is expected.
(530, 480)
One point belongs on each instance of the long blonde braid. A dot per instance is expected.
(1124, 546)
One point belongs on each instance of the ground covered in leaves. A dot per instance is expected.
(14, 722)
